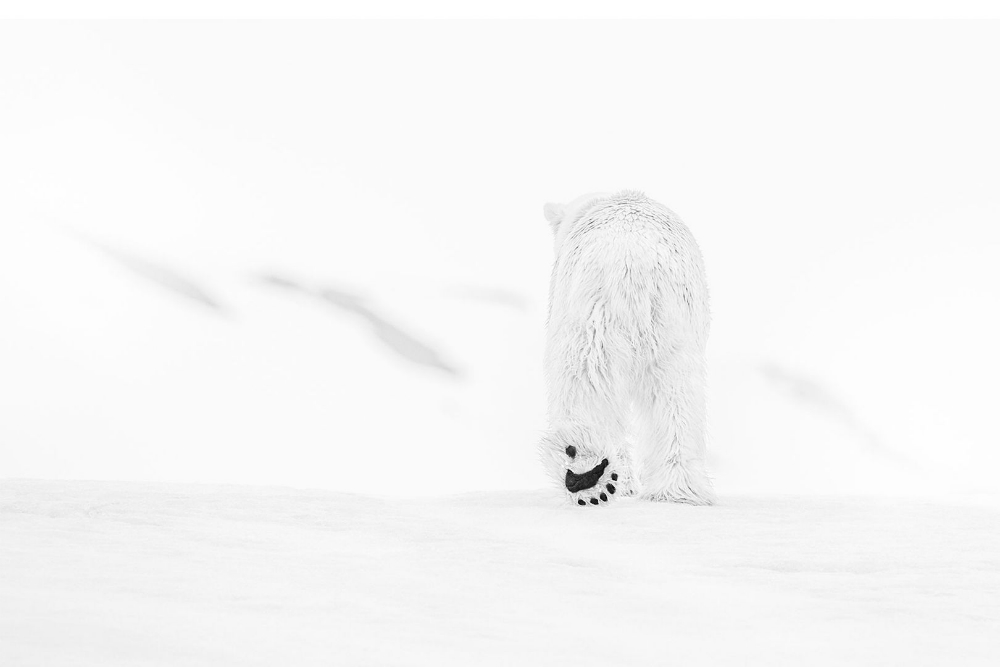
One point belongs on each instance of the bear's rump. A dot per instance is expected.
(638, 292)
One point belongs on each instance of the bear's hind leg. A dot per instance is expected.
(671, 438)
(585, 448)
(588, 363)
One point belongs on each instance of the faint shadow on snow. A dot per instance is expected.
(163, 276)
(495, 296)
(808, 391)
(394, 337)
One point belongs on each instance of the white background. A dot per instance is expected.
(840, 177)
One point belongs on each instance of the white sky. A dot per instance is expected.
(510, 9)
(841, 177)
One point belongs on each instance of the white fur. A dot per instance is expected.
(625, 356)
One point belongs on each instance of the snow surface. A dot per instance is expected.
(103, 573)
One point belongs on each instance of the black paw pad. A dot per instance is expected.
(614, 476)
(581, 502)
(584, 481)
(594, 501)
(571, 452)
(611, 488)
(604, 497)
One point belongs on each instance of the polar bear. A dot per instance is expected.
(625, 354)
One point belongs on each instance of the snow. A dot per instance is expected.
(103, 573)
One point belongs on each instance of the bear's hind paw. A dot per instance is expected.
(683, 485)
(595, 486)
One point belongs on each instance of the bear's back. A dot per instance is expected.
(630, 231)
(633, 260)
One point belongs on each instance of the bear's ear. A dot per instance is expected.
(554, 213)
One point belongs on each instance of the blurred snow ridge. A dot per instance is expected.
(399, 341)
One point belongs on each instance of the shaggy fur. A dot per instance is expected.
(625, 357)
